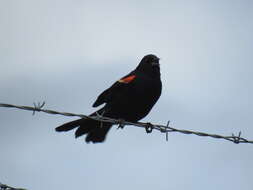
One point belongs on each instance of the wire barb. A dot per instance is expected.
(167, 127)
(148, 126)
(7, 187)
(237, 138)
(38, 106)
(100, 115)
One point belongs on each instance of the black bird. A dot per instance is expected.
(131, 98)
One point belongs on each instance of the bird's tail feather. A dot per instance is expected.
(69, 126)
(96, 131)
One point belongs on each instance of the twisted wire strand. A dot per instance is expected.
(148, 126)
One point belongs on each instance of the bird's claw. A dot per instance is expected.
(121, 123)
(149, 127)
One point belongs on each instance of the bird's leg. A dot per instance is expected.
(149, 127)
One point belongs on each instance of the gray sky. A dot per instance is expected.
(67, 52)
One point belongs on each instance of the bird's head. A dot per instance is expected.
(149, 65)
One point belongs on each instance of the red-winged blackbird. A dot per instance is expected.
(130, 98)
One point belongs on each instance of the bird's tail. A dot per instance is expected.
(96, 131)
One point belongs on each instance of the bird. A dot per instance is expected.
(129, 99)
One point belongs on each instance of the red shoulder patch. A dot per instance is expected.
(127, 79)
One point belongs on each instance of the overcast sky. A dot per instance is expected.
(66, 52)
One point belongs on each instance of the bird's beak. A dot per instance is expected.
(156, 62)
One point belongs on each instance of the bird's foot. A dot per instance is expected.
(121, 124)
(149, 127)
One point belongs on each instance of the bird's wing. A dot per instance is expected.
(115, 89)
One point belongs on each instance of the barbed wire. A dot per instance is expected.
(121, 123)
(7, 187)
